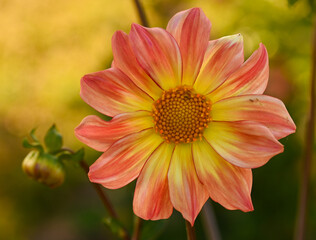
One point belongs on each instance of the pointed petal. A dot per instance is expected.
(227, 184)
(191, 29)
(111, 92)
(158, 54)
(245, 144)
(123, 161)
(250, 78)
(260, 108)
(187, 193)
(126, 61)
(151, 197)
(223, 57)
(99, 134)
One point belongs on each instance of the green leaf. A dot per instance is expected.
(72, 157)
(115, 226)
(53, 140)
(35, 145)
(32, 134)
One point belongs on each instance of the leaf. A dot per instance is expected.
(35, 145)
(53, 140)
(72, 157)
(115, 226)
(32, 134)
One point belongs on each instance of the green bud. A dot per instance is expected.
(44, 168)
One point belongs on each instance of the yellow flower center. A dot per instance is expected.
(180, 115)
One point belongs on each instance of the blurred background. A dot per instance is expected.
(47, 46)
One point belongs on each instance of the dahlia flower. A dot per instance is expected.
(189, 118)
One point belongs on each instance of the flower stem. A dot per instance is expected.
(137, 228)
(308, 155)
(101, 194)
(190, 231)
(141, 13)
(210, 223)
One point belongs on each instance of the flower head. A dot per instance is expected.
(189, 118)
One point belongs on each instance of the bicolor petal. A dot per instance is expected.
(187, 193)
(158, 54)
(245, 144)
(123, 161)
(100, 134)
(111, 92)
(223, 57)
(126, 61)
(226, 184)
(260, 108)
(191, 29)
(250, 78)
(151, 197)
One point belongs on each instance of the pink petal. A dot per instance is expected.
(260, 108)
(123, 161)
(191, 29)
(223, 57)
(250, 78)
(187, 193)
(158, 54)
(100, 134)
(111, 92)
(151, 197)
(245, 144)
(126, 61)
(227, 184)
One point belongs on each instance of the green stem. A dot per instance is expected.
(308, 155)
(190, 231)
(137, 228)
(107, 204)
(141, 13)
(210, 223)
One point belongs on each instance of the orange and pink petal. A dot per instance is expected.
(250, 78)
(260, 108)
(125, 60)
(123, 161)
(245, 144)
(187, 193)
(151, 197)
(222, 58)
(99, 134)
(226, 184)
(111, 92)
(191, 29)
(158, 54)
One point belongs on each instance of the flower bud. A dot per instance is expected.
(44, 168)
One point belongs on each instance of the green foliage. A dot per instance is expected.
(53, 140)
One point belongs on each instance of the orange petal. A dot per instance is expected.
(223, 57)
(227, 184)
(245, 144)
(250, 78)
(151, 197)
(123, 161)
(126, 61)
(187, 193)
(158, 54)
(100, 134)
(111, 92)
(260, 108)
(191, 29)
